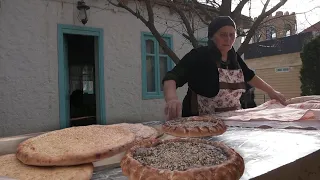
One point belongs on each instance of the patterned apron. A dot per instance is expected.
(232, 85)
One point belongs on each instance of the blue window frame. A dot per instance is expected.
(155, 64)
(203, 41)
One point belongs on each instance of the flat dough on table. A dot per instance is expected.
(75, 145)
(11, 167)
(141, 131)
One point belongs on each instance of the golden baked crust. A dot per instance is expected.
(76, 145)
(11, 167)
(195, 126)
(231, 169)
(141, 131)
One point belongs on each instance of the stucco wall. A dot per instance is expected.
(29, 100)
(287, 83)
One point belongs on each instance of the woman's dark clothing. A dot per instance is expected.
(200, 69)
(247, 99)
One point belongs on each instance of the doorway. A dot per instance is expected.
(81, 67)
(81, 82)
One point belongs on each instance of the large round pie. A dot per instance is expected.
(195, 126)
(178, 159)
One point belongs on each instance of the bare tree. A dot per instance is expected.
(188, 10)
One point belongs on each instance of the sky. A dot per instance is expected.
(308, 11)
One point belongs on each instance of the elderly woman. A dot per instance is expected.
(216, 76)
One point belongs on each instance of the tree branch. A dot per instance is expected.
(186, 23)
(225, 8)
(202, 9)
(213, 3)
(198, 14)
(122, 5)
(237, 11)
(256, 24)
(150, 11)
(150, 25)
(265, 6)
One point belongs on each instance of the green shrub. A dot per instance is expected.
(310, 71)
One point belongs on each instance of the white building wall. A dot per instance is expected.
(29, 95)
(29, 64)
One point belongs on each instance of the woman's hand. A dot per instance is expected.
(278, 96)
(257, 82)
(173, 105)
(173, 109)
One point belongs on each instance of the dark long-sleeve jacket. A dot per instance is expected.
(199, 69)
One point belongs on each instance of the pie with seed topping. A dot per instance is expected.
(178, 159)
(195, 126)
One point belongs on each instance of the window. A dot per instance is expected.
(287, 29)
(282, 69)
(271, 33)
(203, 42)
(155, 64)
(81, 77)
(256, 37)
(87, 79)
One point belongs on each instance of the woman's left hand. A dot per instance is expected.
(278, 96)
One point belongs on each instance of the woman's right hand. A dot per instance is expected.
(173, 109)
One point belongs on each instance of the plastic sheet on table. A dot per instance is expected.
(109, 174)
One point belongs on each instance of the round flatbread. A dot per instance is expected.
(76, 145)
(195, 126)
(11, 167)
(142, 132)
(182, 159)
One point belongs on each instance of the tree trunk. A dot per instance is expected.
(225, 9)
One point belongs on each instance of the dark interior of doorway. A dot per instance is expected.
(81, 63)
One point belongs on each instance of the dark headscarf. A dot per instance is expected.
(213, 27)
(218, 23)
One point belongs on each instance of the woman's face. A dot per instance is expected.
(224, 38)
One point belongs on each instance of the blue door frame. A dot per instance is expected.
(64, 116)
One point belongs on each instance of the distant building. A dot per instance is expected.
(278, 62)
(277, 26)
(315, 29)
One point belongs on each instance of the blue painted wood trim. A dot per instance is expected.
(171, 63)
(63, 83)
(143, 66)
(103, 118)
(158, 94)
